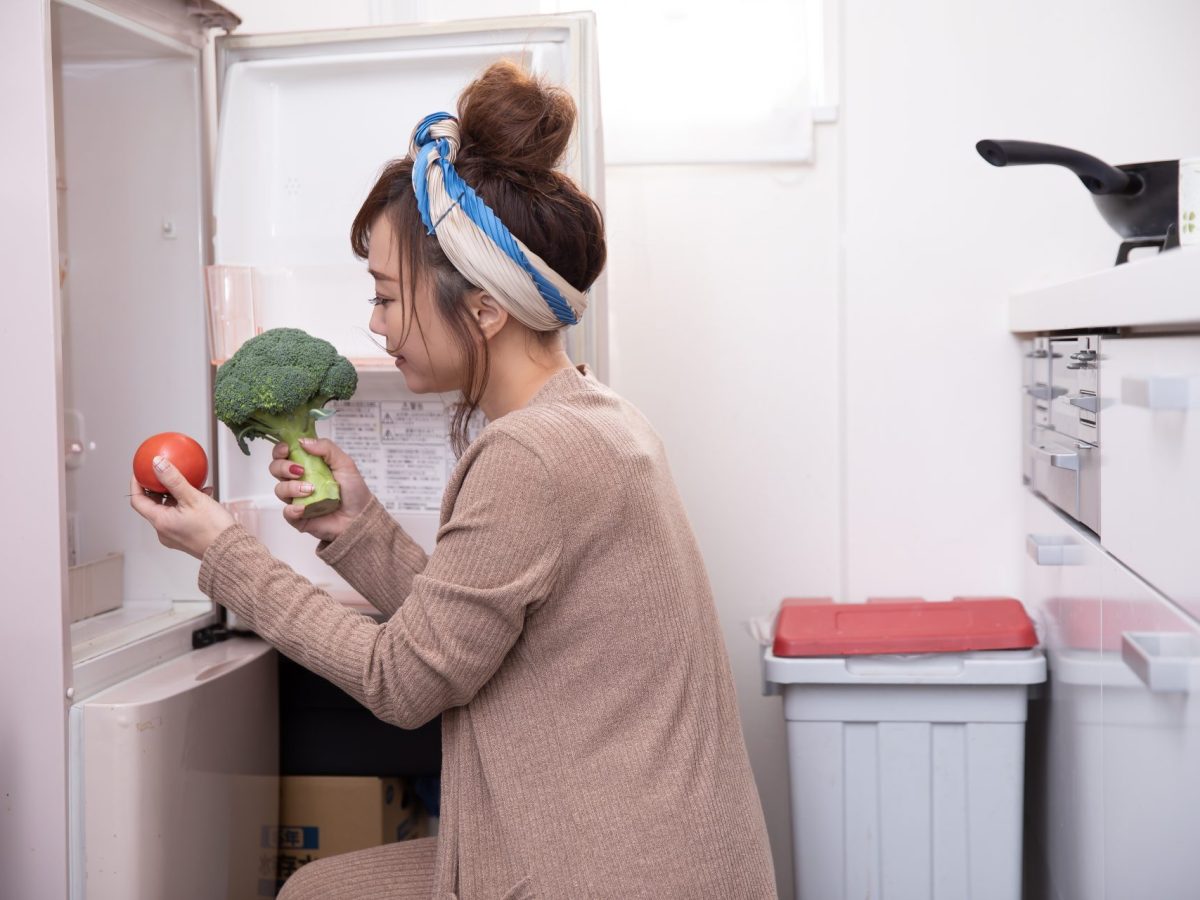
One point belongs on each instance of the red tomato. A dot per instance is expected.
(183, 452)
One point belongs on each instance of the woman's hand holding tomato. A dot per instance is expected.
(184, 453)
(175, 465)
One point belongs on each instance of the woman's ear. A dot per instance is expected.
(489, 315)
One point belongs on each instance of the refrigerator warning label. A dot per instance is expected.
(402, 449)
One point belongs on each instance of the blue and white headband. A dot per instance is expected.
(477, 242)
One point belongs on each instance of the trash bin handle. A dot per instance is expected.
(905, 666)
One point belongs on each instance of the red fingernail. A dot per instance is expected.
(297, 470)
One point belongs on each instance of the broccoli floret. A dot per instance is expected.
(275, 387)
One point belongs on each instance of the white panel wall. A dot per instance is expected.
(936, 239)
(722, 284)
(33, 654)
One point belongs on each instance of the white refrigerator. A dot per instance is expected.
(173, 751)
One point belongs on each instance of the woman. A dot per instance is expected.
(563, 626)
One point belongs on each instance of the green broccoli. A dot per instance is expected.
(275, 387)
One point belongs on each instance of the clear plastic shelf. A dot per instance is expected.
(245, 513)
(233, 308)
(262, 518)
(327, 301)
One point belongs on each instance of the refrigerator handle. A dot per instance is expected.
(76, 448)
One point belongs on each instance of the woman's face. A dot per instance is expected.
(429, 357)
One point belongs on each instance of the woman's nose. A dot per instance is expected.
(376, 324)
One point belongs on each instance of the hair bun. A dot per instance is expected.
(514, 120)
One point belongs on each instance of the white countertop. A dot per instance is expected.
(1161, 291)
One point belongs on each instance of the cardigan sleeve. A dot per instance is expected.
(496, 555)
(376, 557)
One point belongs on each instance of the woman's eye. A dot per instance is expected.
(377, 300)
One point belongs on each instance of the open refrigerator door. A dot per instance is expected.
(172, 754)
(132, 244)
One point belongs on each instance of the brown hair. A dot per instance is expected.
(514, 130)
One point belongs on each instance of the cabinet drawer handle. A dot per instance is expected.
(1053, 550)
(1161, 392)
(1044, 392)
(1165, 661)
(1058, 459)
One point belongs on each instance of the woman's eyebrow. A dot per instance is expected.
(379, 276)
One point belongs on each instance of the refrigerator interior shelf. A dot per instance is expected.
(109, 631)
(111, 647)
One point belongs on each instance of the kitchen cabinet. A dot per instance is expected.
(1150, 745)
(1150, 475)
(1114, 792)
(1121, 795)
(1065, 755)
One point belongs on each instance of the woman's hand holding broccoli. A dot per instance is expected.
(355, 494)
(275, 387)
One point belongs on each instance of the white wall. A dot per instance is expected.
(33, 655)
(722, 289)
(936, 238)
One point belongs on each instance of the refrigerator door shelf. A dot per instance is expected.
(112, 646)
(133, 360)
(164, 21)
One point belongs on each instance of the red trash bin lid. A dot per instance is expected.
(821, 628)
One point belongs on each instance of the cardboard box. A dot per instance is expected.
(323, 816)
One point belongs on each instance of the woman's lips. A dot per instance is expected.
(399, 361)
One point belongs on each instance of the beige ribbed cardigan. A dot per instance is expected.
(565, 628)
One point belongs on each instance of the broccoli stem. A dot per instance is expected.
(326, 496)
